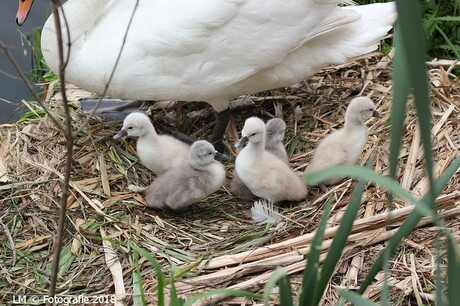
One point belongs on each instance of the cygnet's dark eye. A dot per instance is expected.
(253, 134)
(129, 128)
(210, 153)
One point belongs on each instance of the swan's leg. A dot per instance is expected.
(179, 113)
(182, 137)
(222, 119)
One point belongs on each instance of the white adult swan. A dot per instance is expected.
(208, 50)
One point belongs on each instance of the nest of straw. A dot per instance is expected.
(215, 243)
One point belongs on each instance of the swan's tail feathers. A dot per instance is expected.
(376, 21)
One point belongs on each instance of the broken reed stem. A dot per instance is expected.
(69, 149)
(360, 225)
(295, 262)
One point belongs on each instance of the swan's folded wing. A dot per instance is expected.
(238, 38)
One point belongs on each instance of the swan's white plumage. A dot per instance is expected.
(210, 50)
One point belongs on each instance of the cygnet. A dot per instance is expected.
(263, 173)
(274, 144)
(184, 185)
(344, 146)
(274, 139)
(158, 153)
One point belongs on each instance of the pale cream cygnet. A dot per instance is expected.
(184, 185)
(274, 139)
(344, 146)
(274, 144)
(263, 173)
(158, 153)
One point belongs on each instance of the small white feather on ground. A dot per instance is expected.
(263, 212)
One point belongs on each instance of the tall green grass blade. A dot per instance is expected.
(174, 299)
(447, 18)
(384, 297)
(438, 272)
(279, 277)
(356, 299)
(285, 291)
(414, 52)
(404, 230)
(193, 299)
(401, 87)
(444, 179)
(366, 174)
(156, 266)
(138, 290)
(409, 224)
(184, 270)
(338, 244)
(452, 47)
(453, 269)
(310, 273)
(341, 301)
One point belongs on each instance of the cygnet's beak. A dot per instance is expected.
(241, 142)
(220, 156)
(376, 114)
(120, 134)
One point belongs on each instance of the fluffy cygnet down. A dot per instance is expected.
(184, 185)
(274, 144)
(344, 146)
(158, 153)
(266, 175)
(274, 139)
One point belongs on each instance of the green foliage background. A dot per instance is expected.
(441, 24)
